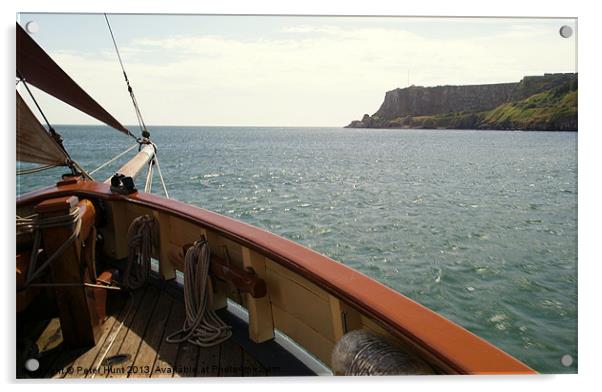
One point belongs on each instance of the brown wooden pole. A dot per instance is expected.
(80, 323)
(137, 163)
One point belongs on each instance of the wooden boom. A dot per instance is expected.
(137, 163)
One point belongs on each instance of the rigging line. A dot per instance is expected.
(50, 128)
(36, 169)
(116, 49)
(82, 170)
(127, 81)
(161, 176)
(53, 134)
(113, 159)
(149, 178)
(140, 119)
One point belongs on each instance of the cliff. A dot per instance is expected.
(547, 102)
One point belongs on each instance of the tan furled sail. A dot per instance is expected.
(38, 69)
(34, 143)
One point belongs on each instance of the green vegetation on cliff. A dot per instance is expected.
(546, 103)
(553, 109)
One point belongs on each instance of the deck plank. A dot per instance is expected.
(134, 333)
(51, 337)
(120, 323)
(167, 353)
(49, 347)
(208, 361)
(231, 360)
(251, 367)
(186, 363)
(86, 363)
(143, 364)
(63, 364)
(138, 328)
(60, 359)
(117, 335)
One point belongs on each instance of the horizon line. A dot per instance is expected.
(203, 125)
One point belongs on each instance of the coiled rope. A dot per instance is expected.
(143, 240)
(202, 326)
(362, 353)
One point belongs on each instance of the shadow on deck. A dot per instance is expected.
(134, 336)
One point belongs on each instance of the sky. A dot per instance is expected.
(284, 70)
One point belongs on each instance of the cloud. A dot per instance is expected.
(305, 74)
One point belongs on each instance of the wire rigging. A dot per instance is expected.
(161, 177)
(149, 178)
(141, 123)
(113, 159)
(50, 128)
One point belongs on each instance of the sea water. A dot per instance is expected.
(480, 226)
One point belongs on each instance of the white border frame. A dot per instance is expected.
(588, 162)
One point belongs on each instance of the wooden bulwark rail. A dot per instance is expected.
(452, 348)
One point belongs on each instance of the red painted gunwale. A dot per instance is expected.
(459, 350)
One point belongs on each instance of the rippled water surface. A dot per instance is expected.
(480, 226)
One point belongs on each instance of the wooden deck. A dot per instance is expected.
(135, 332)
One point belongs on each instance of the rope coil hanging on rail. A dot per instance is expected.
(202, 326)
(143, 241)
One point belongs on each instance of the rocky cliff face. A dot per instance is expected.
(468, 106)
(424, 101)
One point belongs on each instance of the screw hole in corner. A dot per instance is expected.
(566, 31)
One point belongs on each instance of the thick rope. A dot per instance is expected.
(143, 240)
(34, 223)
(202, 326)
(37, 224)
